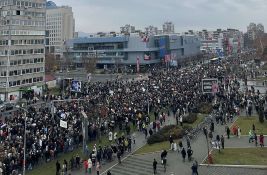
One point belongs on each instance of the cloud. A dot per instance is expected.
(108, 15)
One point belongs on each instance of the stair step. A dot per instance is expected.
(124, 169)
(121, 172)
(142, 162)
(130, 163)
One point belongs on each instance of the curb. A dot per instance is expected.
(236, 166)
(142, 154)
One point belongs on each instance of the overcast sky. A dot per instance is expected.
(109, 15)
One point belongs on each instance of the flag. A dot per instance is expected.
(147, 57)
(167, 58)
(145, 38)
(137, 64)
(173, 56)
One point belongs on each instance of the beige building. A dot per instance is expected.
(60, 27)
(22, 49)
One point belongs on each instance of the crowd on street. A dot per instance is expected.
(112, 107)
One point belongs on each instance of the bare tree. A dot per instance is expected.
(260, 44)
(51, 63)
(89, 63)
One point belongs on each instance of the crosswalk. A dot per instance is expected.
(136, 166)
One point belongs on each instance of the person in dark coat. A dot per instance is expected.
(222, 141)
(155, 166)
(57, 168)
(228, 132)
(212, 126)
(163, 154)
(183, 152)
(194, 168)
(189, 154)
(119, 156)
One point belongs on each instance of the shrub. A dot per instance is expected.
(191, 118)
(164, 134)
(205, 108)
(155, 138)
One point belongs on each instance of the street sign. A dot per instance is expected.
(63, 124)
(210, 85)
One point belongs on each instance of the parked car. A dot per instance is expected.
(4, 107)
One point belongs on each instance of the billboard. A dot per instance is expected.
(210, 85)
(162, 47)
(220, 53)
(76, 86)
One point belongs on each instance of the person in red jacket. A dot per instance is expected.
(261, 140)
(85, 164)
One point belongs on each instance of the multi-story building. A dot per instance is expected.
(260, 29)
(22, 57)
(254, 30)
(168, 28)
(125, 49)
(60, 27)
(127, 29)
(151, 30)
(221, 41)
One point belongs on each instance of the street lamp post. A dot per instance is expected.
(25, 135)
(24, 145)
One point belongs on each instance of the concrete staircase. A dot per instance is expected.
(136, 166)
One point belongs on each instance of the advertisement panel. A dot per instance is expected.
(162, 47)
(76, 86)
(210, 85)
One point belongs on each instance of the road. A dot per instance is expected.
(82, 76)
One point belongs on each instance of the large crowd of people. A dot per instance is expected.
(110, 106)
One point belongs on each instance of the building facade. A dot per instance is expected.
(254, 31)
(151, 30)
(22, 49)
(221, 42)
(60, 27)
(126, 49)
(127, 29)
(168, 28)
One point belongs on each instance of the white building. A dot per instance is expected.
(127, 29)
(151, 30)
(168, 28)
(60, 27)
(22, 49)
